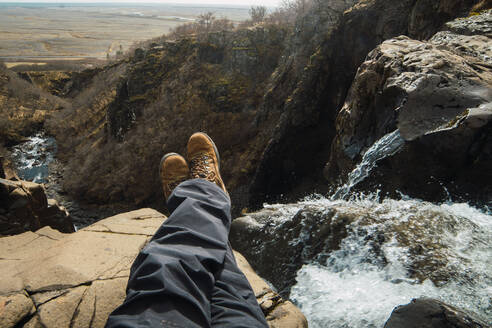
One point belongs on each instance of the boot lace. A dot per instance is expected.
(201, 168)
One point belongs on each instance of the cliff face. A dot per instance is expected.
(269, 99)
(438, 95)
(300, 144)
(134, 111)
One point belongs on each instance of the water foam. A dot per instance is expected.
(358, 287)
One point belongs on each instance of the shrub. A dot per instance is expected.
(482, 5)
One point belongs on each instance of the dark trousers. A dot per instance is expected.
(187, 275)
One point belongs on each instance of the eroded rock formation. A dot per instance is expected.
(25, 207)
(310, 90)
(274, 130)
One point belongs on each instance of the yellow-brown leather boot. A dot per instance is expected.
(173, 171)
(204, 159)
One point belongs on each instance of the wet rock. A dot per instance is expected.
(24, 207)
(77, 280)
(278, 241)
(431, 313)
(438, 95)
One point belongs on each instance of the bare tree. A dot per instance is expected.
(206, 20)
(257, 13)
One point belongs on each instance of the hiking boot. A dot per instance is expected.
(173, 171)
(204, 159)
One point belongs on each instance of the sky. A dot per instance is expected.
(267, 3)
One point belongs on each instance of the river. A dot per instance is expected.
(35, 160)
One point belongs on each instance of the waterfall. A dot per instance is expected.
(394, 251)
(388, 145)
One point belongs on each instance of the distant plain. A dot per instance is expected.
(31, 33)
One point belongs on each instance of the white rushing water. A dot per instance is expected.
(387, 146)
(33, 157)
(358, 287)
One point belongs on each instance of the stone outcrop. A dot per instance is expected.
(431, 313)
(274, 130)
(25, 207)
(50, 279)
(6, 170)
(53, 82)
(480, 24)
(438, 94)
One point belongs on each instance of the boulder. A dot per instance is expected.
(6, 170)
(25, 207)
(51, 279)
(431, 313)
(438, 95)
(278, 241)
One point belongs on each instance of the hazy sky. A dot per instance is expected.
(235, 2)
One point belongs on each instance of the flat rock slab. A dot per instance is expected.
(51, 279)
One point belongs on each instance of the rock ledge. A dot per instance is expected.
(51, 279)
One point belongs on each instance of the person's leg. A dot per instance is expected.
(187, 276)
(172, 279)
(233, 302)
(233, 299)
